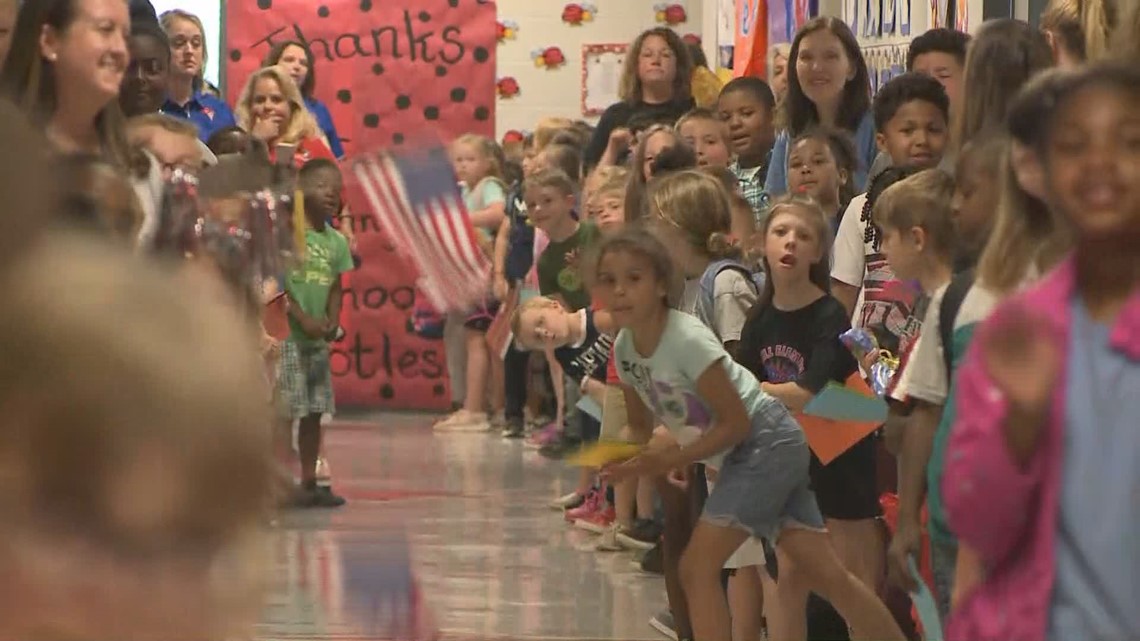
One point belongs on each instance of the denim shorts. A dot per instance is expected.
(763, 487)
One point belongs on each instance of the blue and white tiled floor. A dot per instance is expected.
(493, 560)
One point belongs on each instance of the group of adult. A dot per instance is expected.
(79, 69)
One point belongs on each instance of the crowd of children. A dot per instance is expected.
(681, 276)
(691, 289)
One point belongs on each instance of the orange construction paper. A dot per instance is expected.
(829, 438)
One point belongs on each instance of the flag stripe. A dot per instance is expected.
(436, 233)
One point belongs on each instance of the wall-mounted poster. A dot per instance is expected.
(750, 44)
(903, 8)
(962, 16)
(889, 17)
(785, 17)
(725, 32)
(940, 14)
(601, 76)
(874, 19)
(851, 14)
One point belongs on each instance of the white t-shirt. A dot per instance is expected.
(926, 375)
(733, 296)
(884, 304)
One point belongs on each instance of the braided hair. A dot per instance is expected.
(889, 176)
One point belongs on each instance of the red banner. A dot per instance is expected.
(390, 71)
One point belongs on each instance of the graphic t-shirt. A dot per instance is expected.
(559, 272)
(326, 258)
(888, 307)
(588, 357)
(666, 380)
(800, 346)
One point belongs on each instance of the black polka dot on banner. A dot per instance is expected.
(431, 113)
(386, 391)
(481, 54)
(453, 3)
(265, 5)
(440, 71)
(344, 95)
(425, 16)
(438, 389)
(366, 5)
(235, 55)
(377, 68)
(398, 138)
(371, 121)
(403, 102)
(482, 113)
(459, 94)
(323, 11)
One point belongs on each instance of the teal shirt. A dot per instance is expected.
(939, 529)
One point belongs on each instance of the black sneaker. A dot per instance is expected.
(514, 428)
(323, 496)
(643, 535)
(654, 561)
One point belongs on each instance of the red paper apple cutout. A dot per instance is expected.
(507, 87)
(514, 136)
(572, 14)
(553, 57)
(691, 39)
(675, 14)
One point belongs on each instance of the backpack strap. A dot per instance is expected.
(948, 312)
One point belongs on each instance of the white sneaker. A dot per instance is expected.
(609, 541)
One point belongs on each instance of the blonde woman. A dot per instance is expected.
(272, 110)
(187, 98)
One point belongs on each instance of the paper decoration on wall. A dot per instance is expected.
(851, 14)
(885, 62)
(874, 19)
(549, 57)
(785, 17)
(513, 137)
(903, 8)
(940, 14)
(576, 14)
(507, 87)
(670, 14)
(506, 30)
(751, 37)
(691, 39)
(601, 76)
(962, 16)
(865, 18)
(889, 17)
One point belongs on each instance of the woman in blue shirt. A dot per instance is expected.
(185, 96)
(296, 59)
(828, 84)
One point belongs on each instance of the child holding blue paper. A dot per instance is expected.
(791, 343)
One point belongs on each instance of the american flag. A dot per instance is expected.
(416, 200)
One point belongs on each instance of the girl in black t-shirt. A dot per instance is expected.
(791, 343)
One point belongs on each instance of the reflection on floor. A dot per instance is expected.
(494, 561)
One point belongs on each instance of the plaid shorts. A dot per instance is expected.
(304, 380)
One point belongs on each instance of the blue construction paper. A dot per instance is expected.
(841, 403)
(924, 602)
(591, 407)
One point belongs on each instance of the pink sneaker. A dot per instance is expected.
(599, 521)
(594, 502)
(545, 436)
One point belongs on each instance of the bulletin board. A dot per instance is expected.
(601, 76)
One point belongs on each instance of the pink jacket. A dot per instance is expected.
(1006, 513)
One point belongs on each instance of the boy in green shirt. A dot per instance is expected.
(550, 197)
(314, 293)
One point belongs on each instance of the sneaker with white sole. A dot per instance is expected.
(663, 623)
(567, 502)
(609, 541)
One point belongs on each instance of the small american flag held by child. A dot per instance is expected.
(417, 202)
